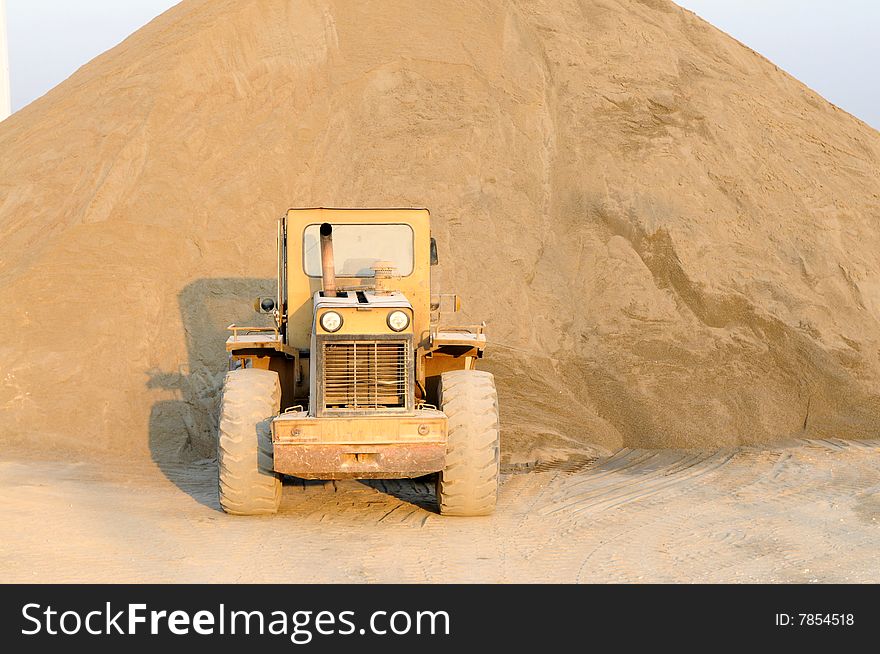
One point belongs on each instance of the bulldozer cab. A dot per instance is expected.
(394, 244)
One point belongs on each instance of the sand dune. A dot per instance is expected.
(673, 242)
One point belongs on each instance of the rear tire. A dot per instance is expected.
(468, 485)
(248, 483)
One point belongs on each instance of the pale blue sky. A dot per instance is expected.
(831, 45)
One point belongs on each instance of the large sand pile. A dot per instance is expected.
(673, 242)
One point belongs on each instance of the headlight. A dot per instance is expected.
(331, 321)
(398, 321)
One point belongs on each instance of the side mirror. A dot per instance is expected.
(434, 258)
(264, 304)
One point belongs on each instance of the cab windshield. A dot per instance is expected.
(356, 248)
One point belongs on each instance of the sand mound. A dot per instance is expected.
(673, 242)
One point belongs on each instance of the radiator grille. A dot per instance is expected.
(365, 374)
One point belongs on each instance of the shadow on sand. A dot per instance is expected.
(183, 431)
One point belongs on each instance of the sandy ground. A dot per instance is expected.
(798, 513)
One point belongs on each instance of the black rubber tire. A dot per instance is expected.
(248, 484)
(468, 485)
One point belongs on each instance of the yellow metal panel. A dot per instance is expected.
(301, 288)
(428, 426)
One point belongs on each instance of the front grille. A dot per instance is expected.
(365, 374)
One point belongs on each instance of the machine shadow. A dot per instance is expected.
(183, 430)
(197, 477)
(419, 492)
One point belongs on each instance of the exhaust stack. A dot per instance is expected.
(328, 269)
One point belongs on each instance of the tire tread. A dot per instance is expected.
(248, 484)
(468, 485)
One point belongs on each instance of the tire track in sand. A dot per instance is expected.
(799, 512)
(611, 488)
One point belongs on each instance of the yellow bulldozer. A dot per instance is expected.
(357, 378)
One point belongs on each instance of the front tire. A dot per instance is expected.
(468, 485)
(248, 483)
